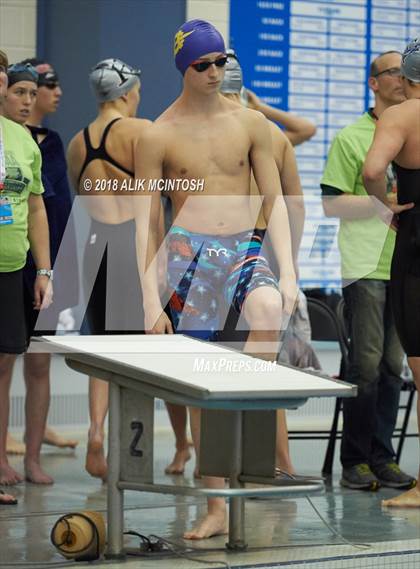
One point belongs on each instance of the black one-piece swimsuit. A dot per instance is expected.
(405, 272)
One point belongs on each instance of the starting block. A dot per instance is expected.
(238, 395)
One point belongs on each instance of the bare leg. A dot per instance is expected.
(13, 446)
(55, 440)
(195, 418)
(178, 417)
(8, 475)
(265, 345)
(98, 408)
(37, 379)
(262, 311)
(215, 521)
(283, 460)
(410, 499)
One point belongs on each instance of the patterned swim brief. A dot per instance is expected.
(208, 274)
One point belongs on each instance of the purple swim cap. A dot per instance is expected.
(193, 40)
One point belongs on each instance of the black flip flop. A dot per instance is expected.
(8, 503)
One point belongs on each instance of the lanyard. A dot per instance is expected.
(2, 161)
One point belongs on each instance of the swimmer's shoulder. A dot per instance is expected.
(155, 135)
(254, 121)
(277, 133)
(169, 119)
(75, 157)
(76, 149)
(280, 141)
(130, 127)
(165, 126)
(133, 123)
(409, 116)
(240, 112)
(411, 106)
(402, 114)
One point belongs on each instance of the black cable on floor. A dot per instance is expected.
(154, 544)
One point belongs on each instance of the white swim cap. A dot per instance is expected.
(112, 78)
(233, 80)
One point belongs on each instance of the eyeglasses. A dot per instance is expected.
(23, 68)
(201, 66)
(3, 69)
(392, 72)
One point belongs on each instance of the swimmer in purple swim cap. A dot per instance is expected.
(195, 39)
(201, 151)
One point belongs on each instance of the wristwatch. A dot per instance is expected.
(45, 273)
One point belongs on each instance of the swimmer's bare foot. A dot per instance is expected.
(409, 499)
(96, 463)
(197, 474)
(13, 446)
(55, 440)
(211, 525)
(286, 467)
(7, 499)
(181, 457)
(35, 474)
(8, 475)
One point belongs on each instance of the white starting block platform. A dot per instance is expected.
(238, 394)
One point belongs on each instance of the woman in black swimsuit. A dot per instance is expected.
(103, 154)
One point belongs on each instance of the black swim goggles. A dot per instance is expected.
(48, 80)
(201, 66)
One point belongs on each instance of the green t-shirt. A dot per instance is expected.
(366, 245)
(23, 176)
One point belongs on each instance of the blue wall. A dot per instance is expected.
(74, 34)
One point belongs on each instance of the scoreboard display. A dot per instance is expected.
(312, 58)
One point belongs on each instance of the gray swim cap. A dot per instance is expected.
(112, 78)
(233, 81)
(410, 66)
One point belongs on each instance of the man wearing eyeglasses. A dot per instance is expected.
(214, 258)
(366, 247)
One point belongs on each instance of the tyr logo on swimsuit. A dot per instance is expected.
(217, 252)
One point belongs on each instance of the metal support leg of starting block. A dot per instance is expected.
(236, 505)
(115, 494)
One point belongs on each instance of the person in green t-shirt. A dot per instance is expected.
(23, 224)
(366, 246)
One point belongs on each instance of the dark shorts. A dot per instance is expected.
(209, 274)
(111, 280)
(13, 338)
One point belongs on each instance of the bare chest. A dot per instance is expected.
(203, 151)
